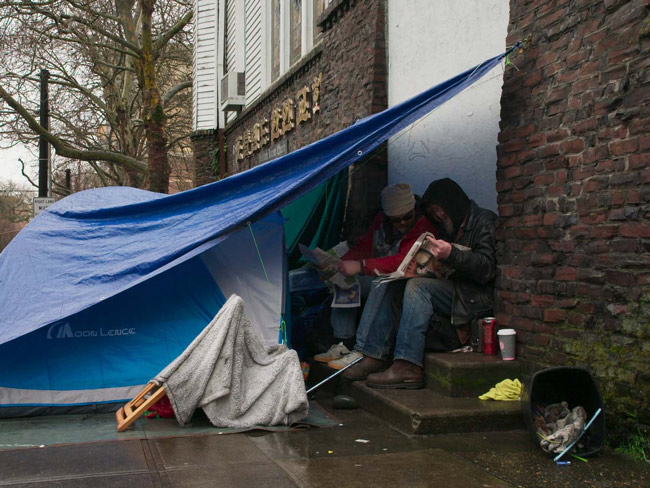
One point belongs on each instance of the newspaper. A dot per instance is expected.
(346, 289)
(419, 261)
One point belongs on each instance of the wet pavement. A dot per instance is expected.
(359, 450)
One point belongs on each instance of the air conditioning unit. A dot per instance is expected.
(233, 91)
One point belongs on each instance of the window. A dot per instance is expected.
(319, 7)
(293, 32)
(275, 38)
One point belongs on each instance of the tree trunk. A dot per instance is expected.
(154, 114)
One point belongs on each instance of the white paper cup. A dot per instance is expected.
(507, 343)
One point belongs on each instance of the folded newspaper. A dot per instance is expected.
(347, 291)
(420, 261)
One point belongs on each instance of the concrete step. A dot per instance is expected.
(467, 374)
(428, 412)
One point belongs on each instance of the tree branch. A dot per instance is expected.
(174, 90)
(175, 29)
(22, 170)
(65, 150)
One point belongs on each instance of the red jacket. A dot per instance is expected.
(388, 264)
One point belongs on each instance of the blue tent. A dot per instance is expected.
(107, 286)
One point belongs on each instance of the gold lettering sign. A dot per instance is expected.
(315, 93)
(265, 132)
(284, 118)
(302, 111)
(239, 148)
(287, 116)
(257, 137)
(276, 121)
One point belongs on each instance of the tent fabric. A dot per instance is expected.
(106, 353)
(106, 286)
(317, 215)
(228, 373)
(95, 244)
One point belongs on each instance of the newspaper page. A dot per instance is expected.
(327, 266)
(346, 289)
(419, 261)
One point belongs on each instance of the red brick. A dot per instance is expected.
(639, 161)
(584, 126)
(566, 273)
(551, 218)
(624, 147)
(583, 173)
(603, 231)
(548, 150)
(594, 185)
(554, 315)
(557, 135)
(594, 218)
(533, 78)
(644, 143)
(573, 146)
(545, 179)
(544, 301)
(635, 230)
(621, 278)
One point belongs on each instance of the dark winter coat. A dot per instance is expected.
(474, 270)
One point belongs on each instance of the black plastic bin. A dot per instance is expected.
(575, 386)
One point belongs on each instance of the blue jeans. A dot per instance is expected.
(424, 298)
(344, 320)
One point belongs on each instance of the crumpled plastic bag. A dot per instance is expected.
(506, 390)
(564, 431)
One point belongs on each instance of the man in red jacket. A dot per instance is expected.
(379, 251)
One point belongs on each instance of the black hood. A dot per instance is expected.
(450, 197)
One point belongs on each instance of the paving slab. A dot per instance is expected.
(71, 463)
(415, 469)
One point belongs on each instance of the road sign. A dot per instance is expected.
(41, 203)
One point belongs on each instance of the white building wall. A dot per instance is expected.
(429, 42)
(205, 65)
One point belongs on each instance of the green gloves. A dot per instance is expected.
(506, 390)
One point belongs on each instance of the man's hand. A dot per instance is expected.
(350, 268)
(439, 248)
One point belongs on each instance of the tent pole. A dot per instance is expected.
(335, 374)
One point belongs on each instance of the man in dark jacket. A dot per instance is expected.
(466, 246)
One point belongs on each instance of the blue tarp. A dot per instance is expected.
(101, 243)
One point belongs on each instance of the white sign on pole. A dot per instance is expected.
(41, 203)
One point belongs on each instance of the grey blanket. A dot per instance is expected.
(228, 373)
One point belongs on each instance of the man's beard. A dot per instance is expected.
(449, 226)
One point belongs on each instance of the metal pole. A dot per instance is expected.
(335, 374)
(43, 145)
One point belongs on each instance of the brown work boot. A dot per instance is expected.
(402, 374)
(363, 368)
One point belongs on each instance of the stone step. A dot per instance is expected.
(428, 412)
(467, 374)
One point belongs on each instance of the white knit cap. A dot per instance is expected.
(397, 199)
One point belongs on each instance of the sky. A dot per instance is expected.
(10, 167)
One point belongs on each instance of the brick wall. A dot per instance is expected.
(352, 60)
(573, 183)
(205, 145)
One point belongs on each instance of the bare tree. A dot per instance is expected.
(15, 212)
(119, 74)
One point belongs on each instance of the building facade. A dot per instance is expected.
(309, 68)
